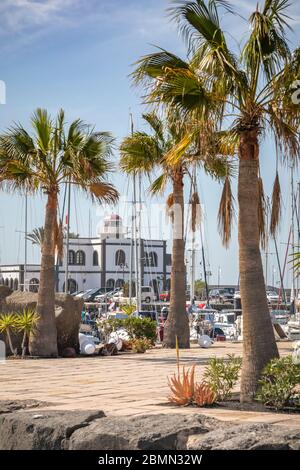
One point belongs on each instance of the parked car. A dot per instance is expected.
(148, 294)
(164, 296)
(108, 294)
(221, 295)
(272, 297)
(147, 314)
(82, 294)
(90, 295)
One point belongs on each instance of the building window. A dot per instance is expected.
(2, 281)
(72, 286)
(152, 259)
(110, 283)
(80, 258)
(6, 282)
(34, 285)
(120, 258)
(71, 257)
(16, 284)
(95, 258)
(11, 283)
(120, 282)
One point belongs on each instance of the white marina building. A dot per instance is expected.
(104, 261)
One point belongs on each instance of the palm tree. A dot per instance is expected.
(36, 237)
(245, 97)
(143, 152)
(42, 162)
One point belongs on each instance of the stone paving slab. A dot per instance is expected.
(127, 384)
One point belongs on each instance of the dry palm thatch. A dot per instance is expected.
(226, 212)
(204, 395)
(261, 213)
(183, 388)
(59, 239)
(195, 211)
(169, 207)
(276, 206)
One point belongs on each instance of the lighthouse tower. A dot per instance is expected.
(112, 227)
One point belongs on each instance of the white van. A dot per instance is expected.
(148, 294)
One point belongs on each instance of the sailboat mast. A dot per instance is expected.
(68, 240)
(292, 232)
(136, 254)
(132, 234)
(139, 305)
(25, 239)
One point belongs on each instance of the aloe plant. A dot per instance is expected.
(7, 325)
(26, 322)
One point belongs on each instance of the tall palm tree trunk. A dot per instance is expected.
(44, 340)
(177, 323)
(259, 344)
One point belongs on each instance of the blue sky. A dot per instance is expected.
(77, 54)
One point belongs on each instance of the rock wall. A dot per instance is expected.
(93, 430)
(67, 314)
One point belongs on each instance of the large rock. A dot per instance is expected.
(154, 432)
(247, 437)
(67, 313)
(92, 430)
(42, 430)
(5, 291)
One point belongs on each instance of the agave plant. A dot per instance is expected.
(7, 325)
(183, 388)
(204, 395)
(26, 322)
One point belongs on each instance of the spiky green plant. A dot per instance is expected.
(26, 323)
(7, 326)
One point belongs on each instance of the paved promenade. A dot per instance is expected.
(127, 384)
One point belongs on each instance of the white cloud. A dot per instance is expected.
(17, 15)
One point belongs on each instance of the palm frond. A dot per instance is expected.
(226, 213)
(267, 46)
(158, 186)
(195, 211)
(261, 213)
(169, 207)
(276, 206)
(156, 124)
(103, 192)
(139, 152)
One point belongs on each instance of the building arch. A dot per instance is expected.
(120, 258)
(110, 283)
(72, 286)
(6, 282)
(16, 284)
(80, 258)
(34, 285)
(71, 257)
(95, 258)
(120, 282)
(153, 259)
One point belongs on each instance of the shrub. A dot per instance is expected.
(185, 391)
(222, 374)
(7, 326)
(26, 323)
(277, 384)
(137, 328)
(140, 345)
(204, 395)
(183, 388)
